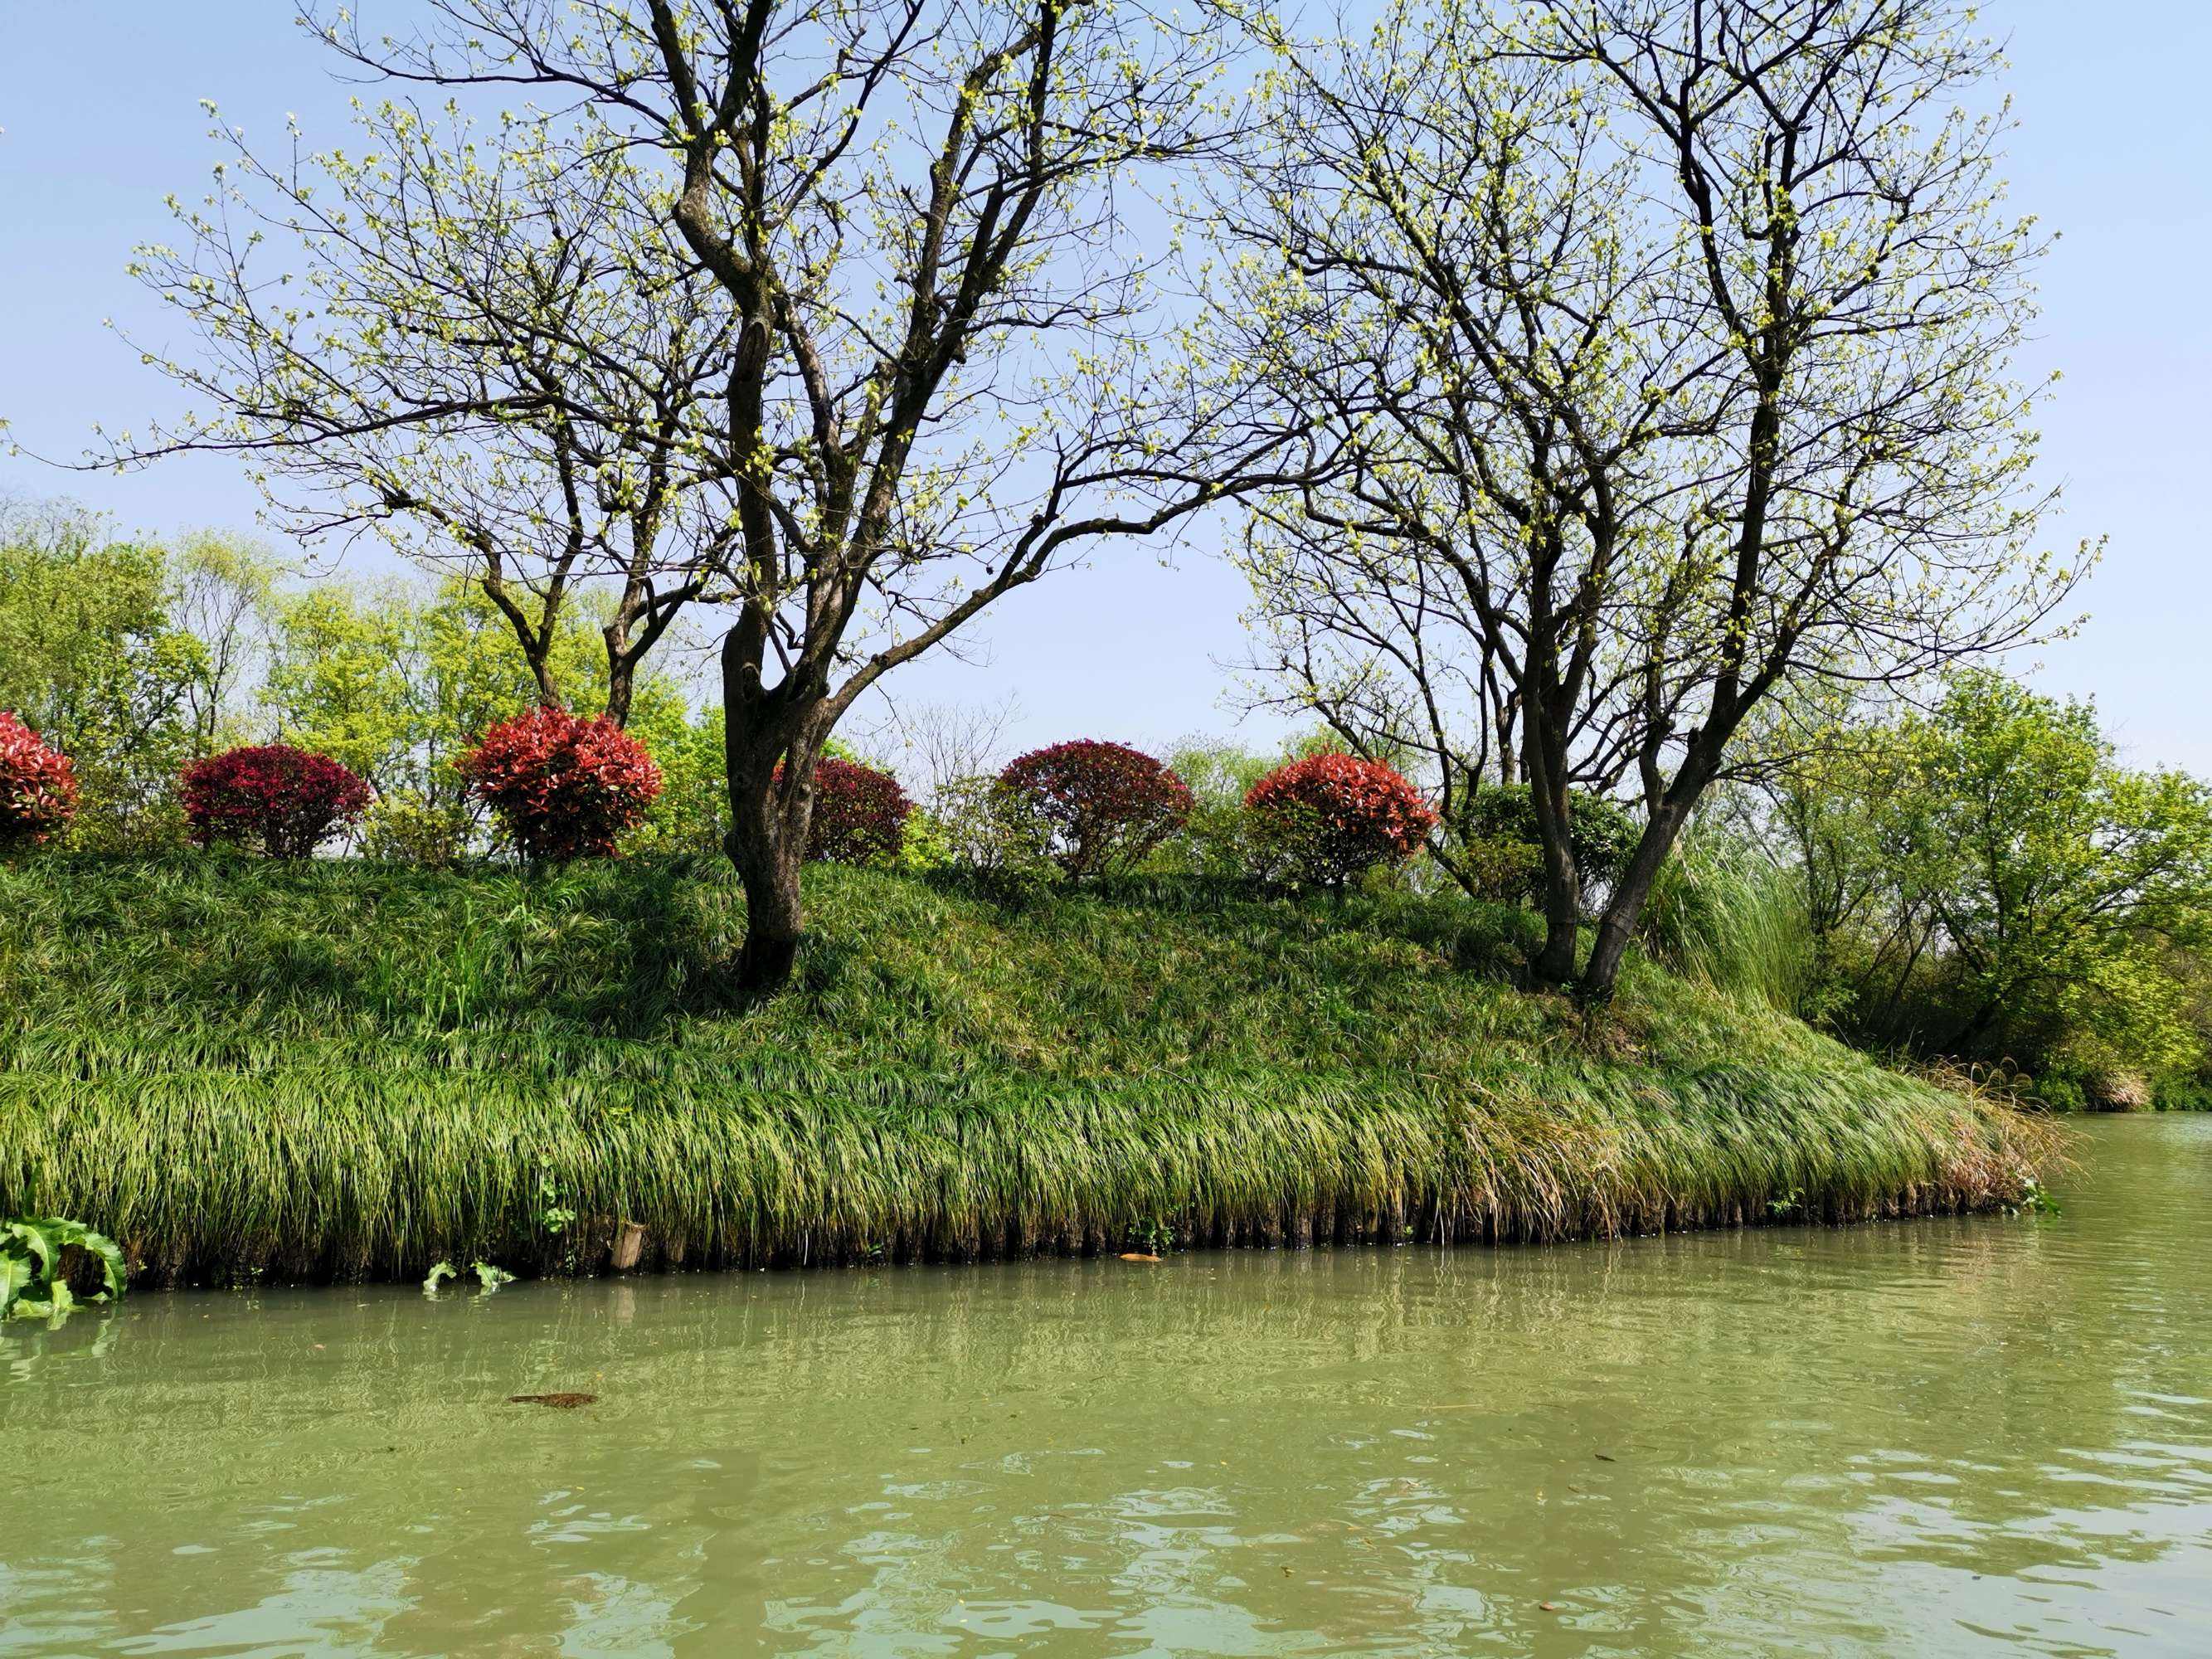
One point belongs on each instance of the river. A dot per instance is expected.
(1982, 1435)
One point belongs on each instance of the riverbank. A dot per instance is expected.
(343, 1071)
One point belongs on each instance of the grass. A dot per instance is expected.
(1731, 922)
(245, 1070)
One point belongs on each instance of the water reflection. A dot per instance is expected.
(1934, 1436)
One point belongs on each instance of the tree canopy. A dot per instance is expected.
(1667, 349)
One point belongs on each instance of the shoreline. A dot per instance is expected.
(252, 1072)
(777, 1183)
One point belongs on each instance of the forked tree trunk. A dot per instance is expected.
(1618, 925)
(622, 681)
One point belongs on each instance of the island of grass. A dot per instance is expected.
(343, 1070)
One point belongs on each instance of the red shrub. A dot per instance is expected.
(859, 813)
(38, 786)
(288, 800)
(1328, 819)
(1097, 806)
(561, 787)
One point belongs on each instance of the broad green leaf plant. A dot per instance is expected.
(33, 1282)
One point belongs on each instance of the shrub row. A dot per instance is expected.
(562, 786)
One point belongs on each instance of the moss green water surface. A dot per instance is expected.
(1984, 1435)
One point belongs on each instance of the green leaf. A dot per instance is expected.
(38, 1235)
(114, 1271)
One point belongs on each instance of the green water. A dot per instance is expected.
(1942, 1437)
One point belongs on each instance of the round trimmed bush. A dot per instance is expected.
(1327, 820)
(562, 786)
(1095, 808)
(859, 813)
(288, 801)
(38, 786)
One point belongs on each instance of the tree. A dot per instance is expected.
(96, 662)
(2059, 877)
(396, 683)
(484, 349)
(226, 588)
(1988, 881)
(906, 226)
(1667, 345)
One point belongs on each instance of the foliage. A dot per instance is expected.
(397, 680)
(1325, 820)
(96, 659)
(692, 811)
(1668, 367)
(561, 787)
(34, 1266)
(859, 813)
(1721, 914)
(1215, 840)
(405, 828)
(38, 786)
(927, 843)
(1496, 840)
(1095, 808)
(334, 1068)
(979, 826)
(286, 800)
(2055, 875)
(1989, 881)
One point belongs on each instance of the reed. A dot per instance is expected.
(339, 1070)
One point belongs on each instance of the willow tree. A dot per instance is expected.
(1668, 345)
(910, 231)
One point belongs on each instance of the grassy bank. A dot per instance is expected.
(341, 1070)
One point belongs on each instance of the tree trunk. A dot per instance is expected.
(770, 753)
(1618, 925)
(775, 916)
(1971, 1033)
(1563, 888)
(622, 679)
(1555, 964)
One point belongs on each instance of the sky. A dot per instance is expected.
(100, 118)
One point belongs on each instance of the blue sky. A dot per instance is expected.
(99, 107)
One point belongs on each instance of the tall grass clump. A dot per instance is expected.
(341, 1069)
(1731, 922)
